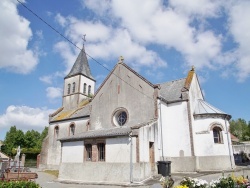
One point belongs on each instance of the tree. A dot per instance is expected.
(240, 129)
(13, 139)
(30, 142)
(32, 139)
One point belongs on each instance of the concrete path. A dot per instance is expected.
(46, 180)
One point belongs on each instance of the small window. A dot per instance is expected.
(74, 87)
(89, 90)
(88, 149)
(84, 88)
(101, 151)
(56, 131)
(69, 88)
(72, 130)
(217, 133)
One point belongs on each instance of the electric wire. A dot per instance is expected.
(68, 40)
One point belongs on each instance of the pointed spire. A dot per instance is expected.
(81, 66)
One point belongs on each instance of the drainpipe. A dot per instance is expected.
(161, 132)
(229, 148)
(131, 157)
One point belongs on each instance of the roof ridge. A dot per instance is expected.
(129, 68)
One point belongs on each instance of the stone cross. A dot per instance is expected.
(121, 59)
(18, 152)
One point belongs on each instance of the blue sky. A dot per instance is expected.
(159, 39)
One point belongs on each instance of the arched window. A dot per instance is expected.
(69, 88)
(56, 132)
(72, 130)
(74, 87)
(84, 88)
(217, 133)
(89, 90)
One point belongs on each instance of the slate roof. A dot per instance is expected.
(203, 107)
(117, 131)
(81, 66)
(172, 91)
(61, 114)
(110, 132)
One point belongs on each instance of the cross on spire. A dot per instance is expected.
(121, 59)
(84, 39)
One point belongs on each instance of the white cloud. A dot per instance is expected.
(68, 55)
(239, 28)
(39, 34)
(25, 118)
(99, 7)
(46, 79)
(49, 79)
(204, 8)
(136, 24)
(61, 20)
(15, 34)
(54, 92)
(156, 23)
(107, 43)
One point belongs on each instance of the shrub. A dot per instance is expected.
(223, 182)
(194, 183)
(19, 184)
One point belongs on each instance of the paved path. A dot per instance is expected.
(46, 180)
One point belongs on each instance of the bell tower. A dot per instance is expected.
(79, 84)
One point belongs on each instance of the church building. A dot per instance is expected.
(118, 132)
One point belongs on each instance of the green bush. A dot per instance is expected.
(18, 184)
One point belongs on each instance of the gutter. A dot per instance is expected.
(229, 148)
(62, 120)
(174, 101)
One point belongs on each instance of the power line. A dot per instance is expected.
(40, 18)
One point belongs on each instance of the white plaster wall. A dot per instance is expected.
(72, 152)
(204, 141)
(148, 134)
(194, 93)
(71, 100)
(88, 82)
(70, 81)
(175, 129)
(54, 149)
(118, 150)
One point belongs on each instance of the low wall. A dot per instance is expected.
(104, 172)
(203, 163)
(215, 163)
(182, 164)
(242, 147)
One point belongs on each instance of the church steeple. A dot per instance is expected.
(81, 66)
(79, 84)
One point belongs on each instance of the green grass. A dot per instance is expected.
(52, 172)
